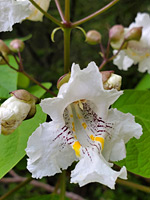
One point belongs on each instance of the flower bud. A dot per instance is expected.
(4, 48)
(63, 79)
(106, 75)
(15, 109)
(93, 37)
(116, 35)
(134, 34)
(17, 45)
(114, 81)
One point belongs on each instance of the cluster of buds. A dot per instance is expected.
(110, 80)
(20, 106)
(118, 34)
(15, 46)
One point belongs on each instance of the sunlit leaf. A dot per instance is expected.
(138, 104)
(8, 79)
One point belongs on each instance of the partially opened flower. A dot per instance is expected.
(137, 52)
(15, 11)
(83, 129)
(15, 109)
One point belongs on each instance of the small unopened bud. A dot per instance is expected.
(14, 110)
(93, 37)
(134, 34)
(4, 49)
(106, 75)
(63, 79)
(116, 33)
(114, 81)
(17, 45)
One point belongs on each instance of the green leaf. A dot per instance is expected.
(144, 83)
(38, 91)
(23, 81)
(138, 151)
(47, 197)
(8, 79)
(12, 148)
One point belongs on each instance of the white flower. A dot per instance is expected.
(83, 128)
(15, 11)
(36, 15)
(137, 52)
(15, 109)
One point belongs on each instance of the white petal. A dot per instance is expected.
(123, 61)
(83, 84)
(36, 15)
(125, 128)
(142, 19)
(144, 65)
(12, 12)
(95, 169)
(48, 150)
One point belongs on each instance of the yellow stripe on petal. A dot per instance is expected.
(73, 127)
(98, 139)
(84, 125)
(76, 147)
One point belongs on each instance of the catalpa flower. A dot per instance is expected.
(83, 129)
(15, 11)
(137, 52)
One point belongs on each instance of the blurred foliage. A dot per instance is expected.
(40, 59)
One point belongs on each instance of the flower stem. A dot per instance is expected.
(60, 10)
(16, 188)
(94, 14)
(67, 10)
(134, 185)
(67, 32)
(53, 19)
(63, 185)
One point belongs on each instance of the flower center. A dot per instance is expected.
(87, 129)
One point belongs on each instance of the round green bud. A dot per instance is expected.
(134, 34)
(93, 37)
(17, 45)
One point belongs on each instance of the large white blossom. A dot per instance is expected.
(137, 52)
(15, 11)
(83, 129)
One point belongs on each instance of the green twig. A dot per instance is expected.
(60, 10)
(94, 14)
(67, 10)
(16, 188)
(53, 19)
(134, 185)
(63, 185)
(67, 32)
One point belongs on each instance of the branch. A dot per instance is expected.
(94, 14)
(17, 179)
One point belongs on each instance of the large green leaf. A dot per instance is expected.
(47, 197)
(138, 151)
(144, 83)
(8, 79)
(12, 147)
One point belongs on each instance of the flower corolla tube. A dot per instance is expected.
(83, 129)
(15, 11)
(137, 52)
